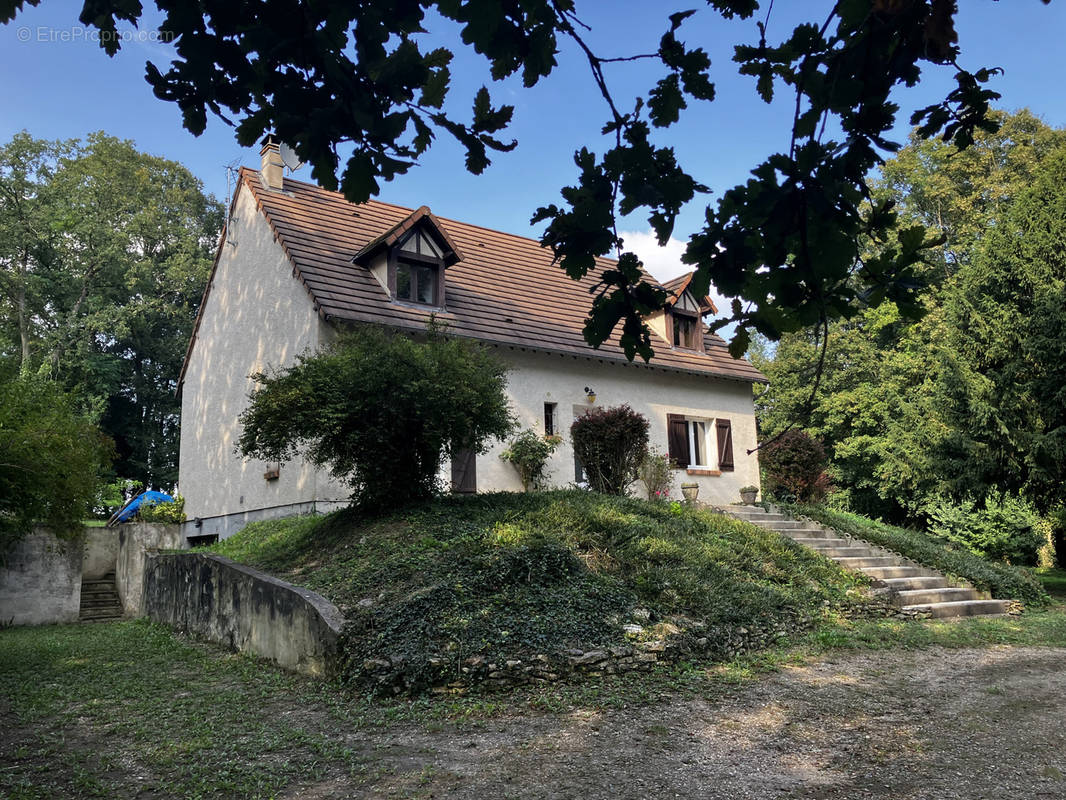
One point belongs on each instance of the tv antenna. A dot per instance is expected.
(289, 158)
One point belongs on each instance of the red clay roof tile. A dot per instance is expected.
(506, 289)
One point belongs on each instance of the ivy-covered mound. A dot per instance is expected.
(506, 577)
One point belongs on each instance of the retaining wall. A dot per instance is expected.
(216, 599)
(134, 542)
(40, 580)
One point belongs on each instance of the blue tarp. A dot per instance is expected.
(129, 511)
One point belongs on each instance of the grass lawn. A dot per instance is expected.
(107, 710)
(117, 709)
(125, 709)
(1054, 580)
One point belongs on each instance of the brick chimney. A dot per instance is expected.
(273, 170)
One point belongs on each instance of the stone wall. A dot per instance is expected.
(213, 598)
(134, 541)
(40, 581)
(646, 646)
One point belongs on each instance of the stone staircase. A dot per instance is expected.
(99, 600)
(912, 587)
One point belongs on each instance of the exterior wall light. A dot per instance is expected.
(590, 394)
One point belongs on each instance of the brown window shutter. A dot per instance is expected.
(677, 439)
(725, 445)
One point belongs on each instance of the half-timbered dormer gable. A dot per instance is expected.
(409, 260)
(684, 314)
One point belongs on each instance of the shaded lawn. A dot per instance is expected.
(124, 709)
(113, 709)
(1054, 580)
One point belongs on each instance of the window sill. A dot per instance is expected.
(696, 471)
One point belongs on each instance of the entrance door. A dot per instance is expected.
(464, 472)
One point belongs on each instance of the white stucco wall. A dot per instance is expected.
(257, 316)
(538, 378)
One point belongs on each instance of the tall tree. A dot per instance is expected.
(51, 458)
(111, 262)
(26, 240)
(894, 410)
(1002, 392)
(326, 77)
(963, 193)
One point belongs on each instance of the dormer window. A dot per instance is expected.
(410, 258)
(688, 331)
(684, 314)
(417, 269)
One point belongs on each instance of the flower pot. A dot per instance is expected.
(690, 493)
(748, 498)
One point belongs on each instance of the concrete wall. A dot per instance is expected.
(226, 525)
(538, 378)
(135, 541)
(213, 598)
(257, 316)
(40, 581)
(100, 553)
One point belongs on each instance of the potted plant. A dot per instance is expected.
(748, 493)
(690, 491)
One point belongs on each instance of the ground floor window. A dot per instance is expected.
(697, 443)
(550, 423)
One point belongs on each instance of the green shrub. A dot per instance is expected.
(528, 453)
(1001, 580)
(794, 466)
(173, 512)
(611, 444)
(656, 473)
(381, 409)
(1005, 529)
(116, 494)
(51, 459)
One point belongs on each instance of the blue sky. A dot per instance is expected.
(56, 83)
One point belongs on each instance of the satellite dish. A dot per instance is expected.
(289, 157)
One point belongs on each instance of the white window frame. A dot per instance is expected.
(709, 439)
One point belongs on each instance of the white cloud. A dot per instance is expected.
(664, 263)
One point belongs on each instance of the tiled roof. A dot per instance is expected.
(505, 290)
(396, 232)
(676, 287)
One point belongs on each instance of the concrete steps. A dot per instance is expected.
(901, 584)
(913, 587)
(99, 600)
(961, 608)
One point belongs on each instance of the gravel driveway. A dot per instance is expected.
(936, 724)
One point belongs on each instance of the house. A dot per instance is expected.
(297, 263)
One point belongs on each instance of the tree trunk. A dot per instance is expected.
(24, 334)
